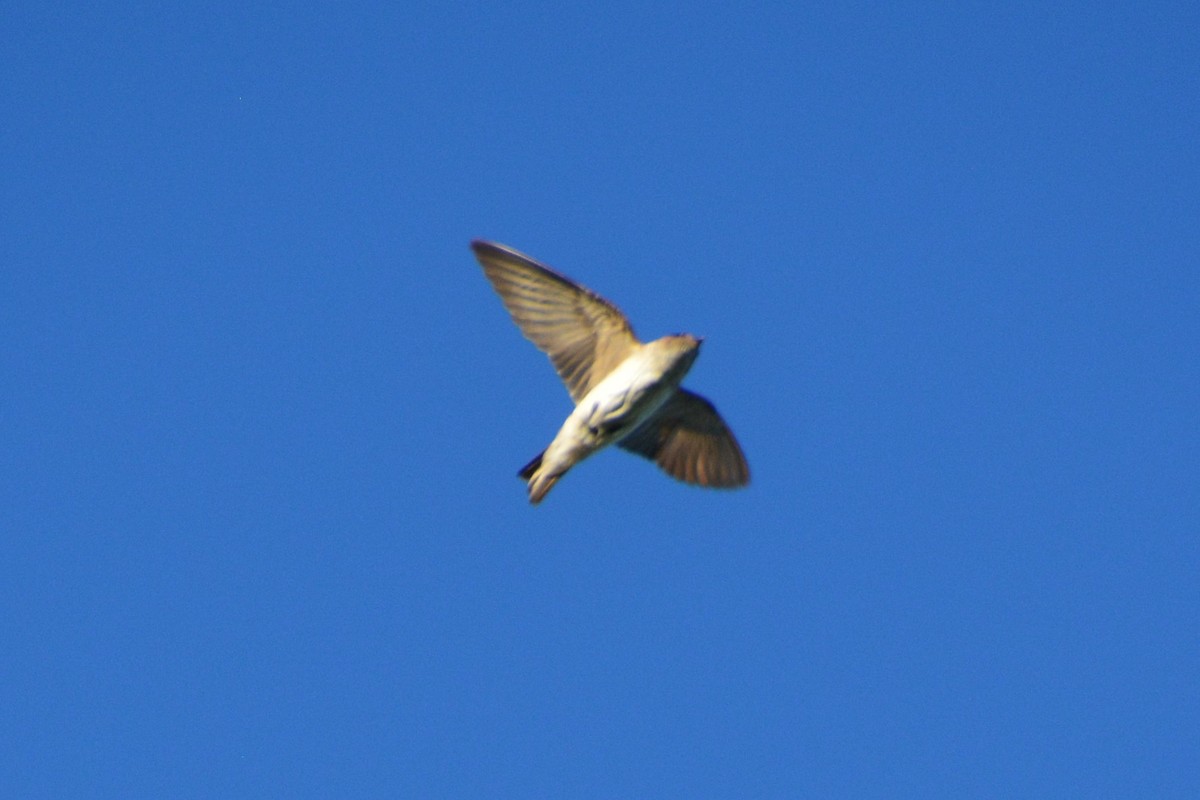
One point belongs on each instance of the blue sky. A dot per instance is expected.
(261, 533)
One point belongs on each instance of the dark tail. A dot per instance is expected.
(527, 471)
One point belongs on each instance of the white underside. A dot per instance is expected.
(612, 410)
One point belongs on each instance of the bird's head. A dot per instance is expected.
(680, 350)
(684, 342)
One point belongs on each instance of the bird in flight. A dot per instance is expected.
(626, 392)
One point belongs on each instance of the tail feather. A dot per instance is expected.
(539, 481)
(527, 471)
(540, 485)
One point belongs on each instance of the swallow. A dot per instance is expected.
(626, 392)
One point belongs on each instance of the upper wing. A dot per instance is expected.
(690, 441)
(585, 336)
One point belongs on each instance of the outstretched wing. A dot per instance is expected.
(690, 441)
(585, 336)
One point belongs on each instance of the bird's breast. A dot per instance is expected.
(624, 399)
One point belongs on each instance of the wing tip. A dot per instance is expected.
(486, 247)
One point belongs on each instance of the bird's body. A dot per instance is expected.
(621, 402)
(626, 392)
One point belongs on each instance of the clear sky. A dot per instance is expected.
(261, 413)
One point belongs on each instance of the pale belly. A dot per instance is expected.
(620, 403)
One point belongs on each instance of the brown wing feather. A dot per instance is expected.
(584, 335)
(690, 441)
